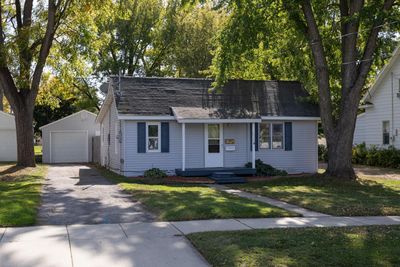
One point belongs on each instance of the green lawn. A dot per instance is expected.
(336, 197)
(20, 194)
(352, 246)
(176, 202)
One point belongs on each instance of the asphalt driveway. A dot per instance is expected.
(78, 194)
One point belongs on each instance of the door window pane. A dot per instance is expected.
(213, 131)
(277, 136)
(213, 146)
(213, 138)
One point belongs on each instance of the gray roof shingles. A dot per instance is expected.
(238, 98)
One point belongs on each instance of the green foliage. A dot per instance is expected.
(375, 156)
(155, 173)
(322, 153)
(264, 40)
(264, 169)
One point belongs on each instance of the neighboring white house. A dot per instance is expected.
(8, 137)
(379, 125)
(69, 140)
(179, 125)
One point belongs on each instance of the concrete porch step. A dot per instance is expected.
(226, 178)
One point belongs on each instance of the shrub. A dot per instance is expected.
(322, 153)
(360, 153)
(155, 173)
(263, 169)
(375, 156)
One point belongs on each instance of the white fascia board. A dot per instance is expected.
(219, 120)
(106, 104)
(366, 106)
(145, 118)
(7, 114)
(290, 118)
(72, 115)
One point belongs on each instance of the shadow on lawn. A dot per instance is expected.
(185, 202)
(81, 199)
(355, 246)
(333, 196)
(11, 170)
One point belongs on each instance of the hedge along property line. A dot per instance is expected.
(372, 156)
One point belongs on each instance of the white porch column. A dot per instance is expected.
(253, 145)
(183, 146)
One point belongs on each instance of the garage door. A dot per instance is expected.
(69, 147)
(8, 145)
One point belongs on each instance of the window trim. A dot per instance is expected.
(383, 128)
(271, 135)
(158, 124)
(260, 136)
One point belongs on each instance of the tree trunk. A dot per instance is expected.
(339, 158)
(24, 127)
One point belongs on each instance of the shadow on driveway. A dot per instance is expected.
(78, 194)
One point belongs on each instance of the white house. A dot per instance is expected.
(181, 127)
(69, 140)
(379, 125)
(8, 138)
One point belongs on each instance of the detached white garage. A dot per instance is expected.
(69, 140)
(8, 138)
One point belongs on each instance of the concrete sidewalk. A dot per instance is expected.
(128, 244)
(138, 244)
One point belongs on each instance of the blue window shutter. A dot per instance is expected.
(288, 136)
(165, 137)
(141, 137)
(255, 135)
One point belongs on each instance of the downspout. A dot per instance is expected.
(392, 123)
(109, 136)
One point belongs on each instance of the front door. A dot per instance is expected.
(214, 156)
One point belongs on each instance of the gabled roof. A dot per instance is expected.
(67, 117)
(381, 75)
(156, 97)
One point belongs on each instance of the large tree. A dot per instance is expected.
(27, 32)
(345, 38)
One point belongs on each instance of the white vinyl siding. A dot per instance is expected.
(369, 124)
(303, 157)
(8, 138)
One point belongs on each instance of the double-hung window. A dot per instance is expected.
(153, 137)
(265, 135)
(277, 135)
(385, 132)
(271, 135)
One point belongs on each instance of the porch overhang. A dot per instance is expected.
(213, 115)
